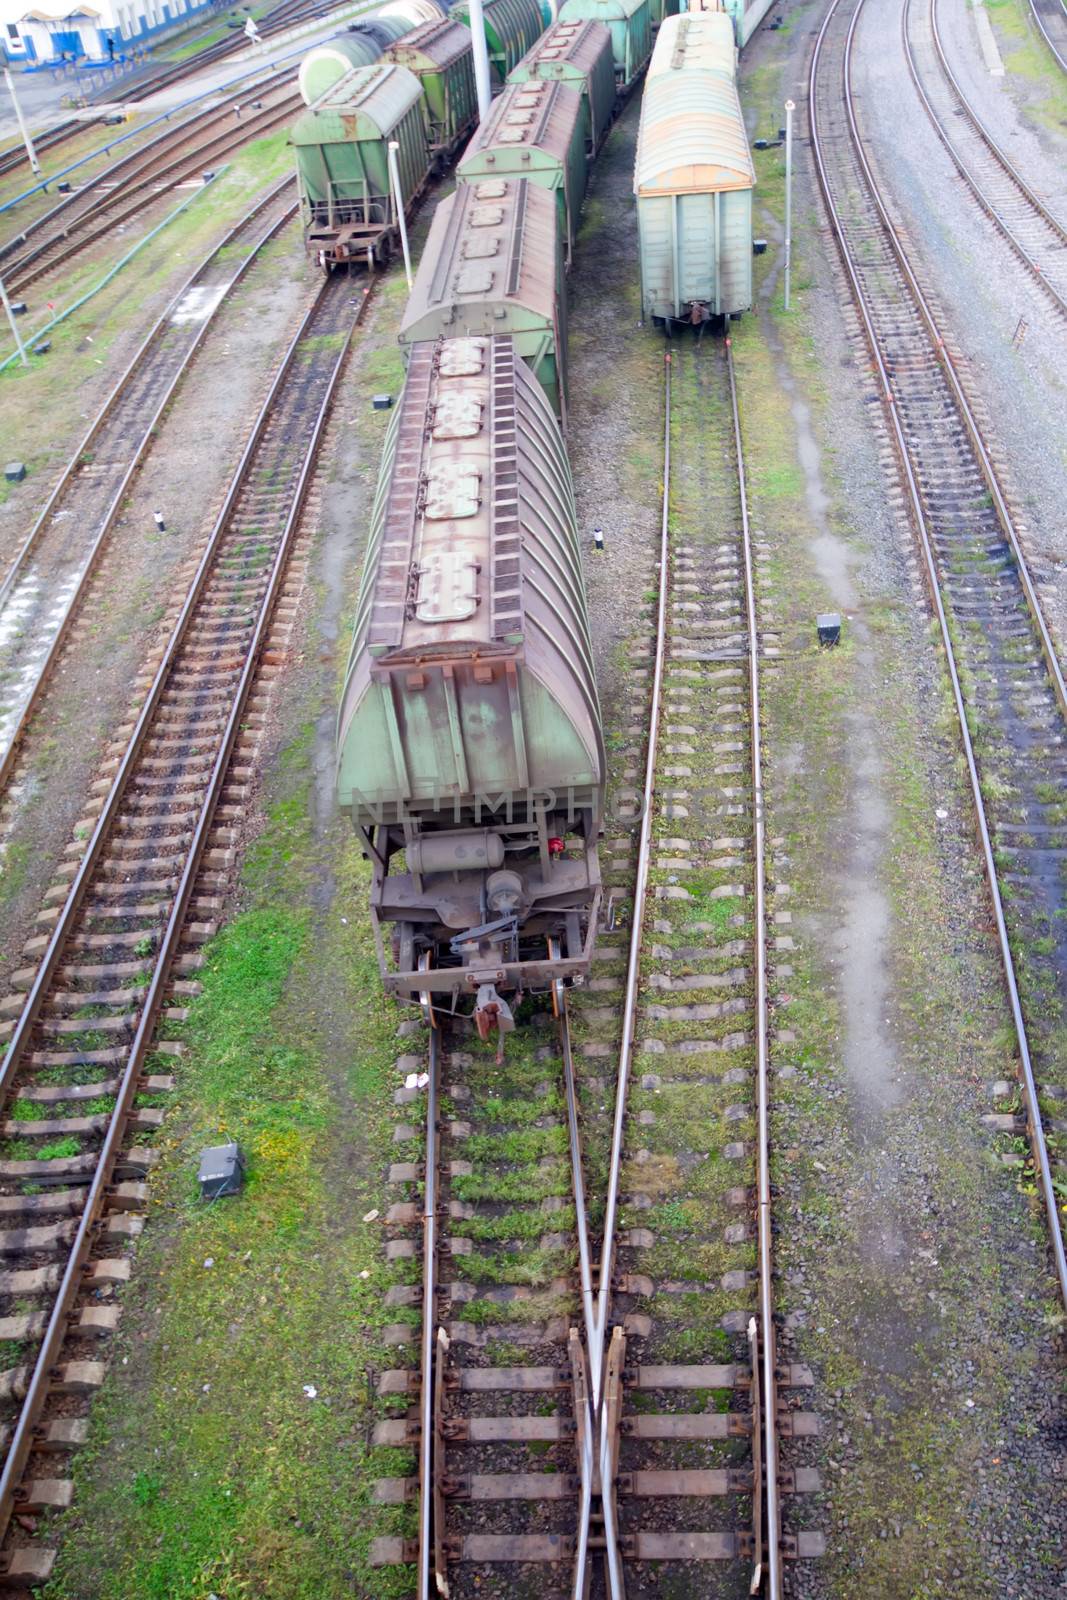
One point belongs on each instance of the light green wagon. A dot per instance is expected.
(693, 178)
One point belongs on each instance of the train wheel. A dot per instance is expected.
(426, 995)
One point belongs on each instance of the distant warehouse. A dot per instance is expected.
(43, 35)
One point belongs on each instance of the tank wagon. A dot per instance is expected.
(511, 28)
(470, 752)
(630, 24)
(361, 44)
(580, 55)
(441, 57)
(341, 146)
(693, 178)
(493, 264)
(534, 130)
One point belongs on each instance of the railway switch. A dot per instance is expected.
(222, 1171)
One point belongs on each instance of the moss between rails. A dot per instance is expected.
(82, 345)
(211, 1466)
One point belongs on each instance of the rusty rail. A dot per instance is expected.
(1040, 213)
(1038, 1144)
(22, 1442)
(146, 429)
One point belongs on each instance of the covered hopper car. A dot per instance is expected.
(342, 163)
(534, 130)
(441, 57)
(578, 54)
(361, 43)
(630, 24)
(470, 752)
(493, 263)
(511, 27)
(693, 178)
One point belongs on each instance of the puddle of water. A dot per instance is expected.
(864, 929)
(18, 683)
(198, 304)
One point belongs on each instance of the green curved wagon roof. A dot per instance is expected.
(367, 103)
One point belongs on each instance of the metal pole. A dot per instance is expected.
(481, 58)
(398, 201)
(27, 141)
(790, 107)
(14, 325)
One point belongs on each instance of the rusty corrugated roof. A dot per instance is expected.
(692, 137)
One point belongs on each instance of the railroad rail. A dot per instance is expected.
(120, 192)
(992, 628)
(112, 971)
(671, 1453)
(283, 16)
(46, 583)
(621, 1408)
(1038, 238)
(1051, 19)
(528, 1424)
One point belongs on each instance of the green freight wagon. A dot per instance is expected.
(342, 168)
(579, 54)
(535, 130)
(660, 9)
(693, 178)
(630, 24)
(441, 57)
(470, 756)
(493, 264)
(511, 27)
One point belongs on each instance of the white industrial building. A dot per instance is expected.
(38, 35)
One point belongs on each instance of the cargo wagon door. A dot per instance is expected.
(696, 250)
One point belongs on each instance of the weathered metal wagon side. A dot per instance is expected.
(341, 146)
(441, 57)
(580, 55)
(493, 264)
(537, 131)
(511, 28)
(630, 24)
(470, 753)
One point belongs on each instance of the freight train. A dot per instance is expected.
(470, 751)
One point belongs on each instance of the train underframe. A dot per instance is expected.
(493, 914)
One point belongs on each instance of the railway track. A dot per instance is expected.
(88, 1026)
(283, 16)
(1036, 236)
(1007, 685)
(43, 589)
(1051, 19)
(123, 190)
(642, 1442)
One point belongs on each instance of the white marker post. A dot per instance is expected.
(398, 201)
(14, 326)
(481, 58)
(790, 107)
(25, 132)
